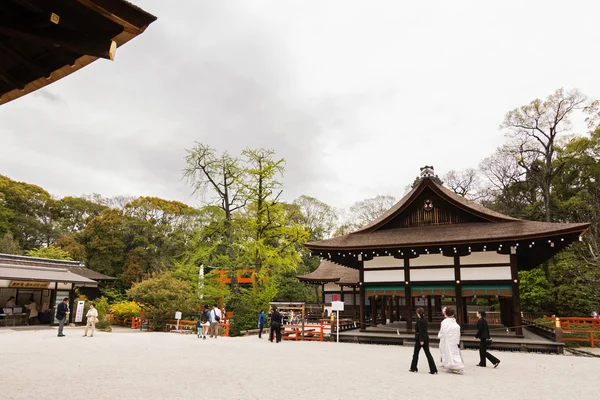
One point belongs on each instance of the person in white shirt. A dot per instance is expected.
(449, 336)
(10, 303)
(215, 317)
(92, 318)
(33, 312)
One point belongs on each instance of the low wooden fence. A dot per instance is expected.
(578, 323)
(303, 332)
(189, 326)
(580, 336)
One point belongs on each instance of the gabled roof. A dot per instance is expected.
(477, 224)
(453, 234)
(331, 272)
(446, 194)
(75, 267)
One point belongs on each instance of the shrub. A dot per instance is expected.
(103, 326)
(125, 310)
(163, 294)
(246, 306)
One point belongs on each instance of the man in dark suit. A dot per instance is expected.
(275, 325)
(483, 334)
(62, 315)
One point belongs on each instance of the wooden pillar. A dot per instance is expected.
(383, 309)
(408, 295)
(460, 306)
(361, 280)
(373, 311)
(516, 298)
(341, 293)
(391, 309)
(354, 306)
(429, 310)
(398, 308)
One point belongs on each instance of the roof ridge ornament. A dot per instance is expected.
(427, 172)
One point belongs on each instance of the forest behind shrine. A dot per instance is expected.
(547, 170)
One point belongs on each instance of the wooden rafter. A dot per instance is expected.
(54, 36)
(11, 80)
(28, 62)
(112, 17)
(28, 5)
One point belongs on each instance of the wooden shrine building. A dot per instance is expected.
(435, 243)
(42, 41)
(335, 279)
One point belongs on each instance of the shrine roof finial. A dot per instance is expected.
(427, 171)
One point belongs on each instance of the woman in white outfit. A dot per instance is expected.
(449, 341)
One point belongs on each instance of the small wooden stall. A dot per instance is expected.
(336, 279)
(44, 281)
(293, 315)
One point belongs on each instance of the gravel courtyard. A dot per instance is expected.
(133, 365)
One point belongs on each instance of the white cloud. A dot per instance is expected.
(356, 96)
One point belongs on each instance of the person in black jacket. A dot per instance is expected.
(275, 325)
(422, 340)
(62, 315)
(483, 334)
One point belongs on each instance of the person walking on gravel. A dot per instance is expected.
(215, 317)
(62, 315)
(92, 318)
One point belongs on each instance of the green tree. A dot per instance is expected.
(535, 129)
(161, 295)
(52, 252)
(76, 212)
(33, 213)
(8, 245)
(104, 241)
(221, 177)
(536, 291)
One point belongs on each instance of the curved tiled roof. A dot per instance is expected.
(491, 226)
(75, 267)
(331, 272)
(475, 232)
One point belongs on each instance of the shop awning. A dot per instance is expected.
(41, 274)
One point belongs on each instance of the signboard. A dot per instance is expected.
(79, 313)
(28, 285)
(337, 306)
(178, 315)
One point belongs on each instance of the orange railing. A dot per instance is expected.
(189, 325)
(575, 322)
(579, 339)
(294, 332)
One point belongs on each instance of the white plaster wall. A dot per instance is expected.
(396, 275)
(485, 257)
(382, 262)
(431, 260)
(434, 274)
(485, 273)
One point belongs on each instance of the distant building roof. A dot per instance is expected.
(331, 272)
(76, 267)
(28, 273)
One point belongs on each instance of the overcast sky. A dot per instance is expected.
(355, 95)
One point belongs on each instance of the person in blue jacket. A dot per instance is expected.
(261, 323)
